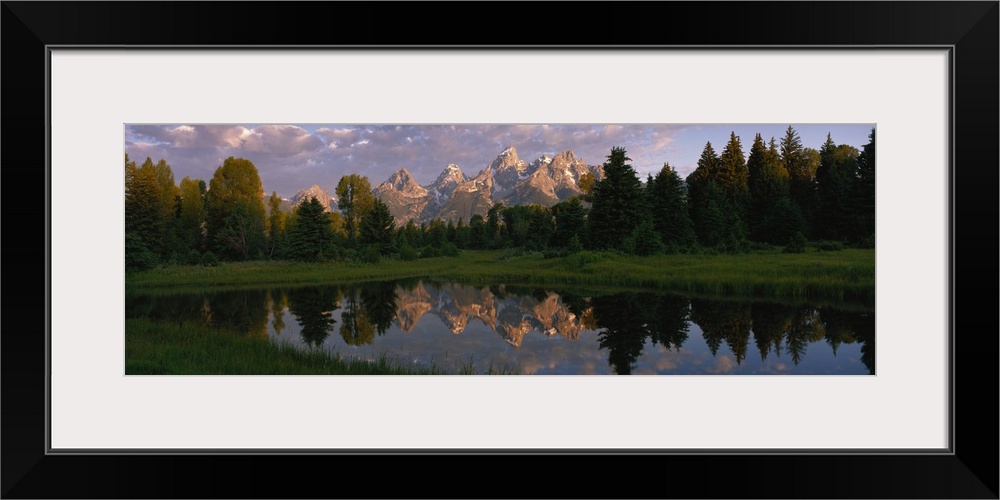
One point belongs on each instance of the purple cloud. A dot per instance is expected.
(293, 157)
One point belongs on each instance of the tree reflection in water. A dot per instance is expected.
(627, 327)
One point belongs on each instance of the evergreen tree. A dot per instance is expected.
(668, 207)
(768, 183)
(716, 218)
(714, 227)
(516, 224)
(313, 309)
(413, 234)
(144, 222)
(310, 235)
(570, 218)
(477, 232)
(539, 226)
(802, 184)
(834, 185)
(733, 175)
(168, 201)
(462, 234)
(169, 192)
(437, 233)
(493, 225)
(781, 222)
(697, 181)
(864, 194)
(619, 204)
(645, 239)
(377, 226)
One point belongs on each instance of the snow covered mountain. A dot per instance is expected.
(453, 195)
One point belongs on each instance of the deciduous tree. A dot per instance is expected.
(355, 199)
(235, 215)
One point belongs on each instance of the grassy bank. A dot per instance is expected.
(834, 275)
(160, 348)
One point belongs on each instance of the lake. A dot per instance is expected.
(537, 330)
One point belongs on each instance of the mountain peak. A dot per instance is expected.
(401, 175)
(451, 174)
(568, 155)
(319, 193)
(542, 160)
(507, 159)
(405, 198)
(400, 181)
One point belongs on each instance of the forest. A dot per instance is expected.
(781, 194)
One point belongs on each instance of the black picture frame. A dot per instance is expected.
(971, 28)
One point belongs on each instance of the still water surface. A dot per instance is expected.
(538, 330)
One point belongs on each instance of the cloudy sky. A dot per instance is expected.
(294, 157)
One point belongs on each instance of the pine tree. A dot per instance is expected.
(539, 226)
(570, 217)
(144, 221)
(462, 234)
(169, 203)
(619, 203)
(802, 184)
(377, 226)
(310, 235)
(834, 185)
(768, 184)
(733, 174)
(494, 233)
(864, 195)
(477, 232)
(781, 222)
(714, 228)
(716, 218)
(669, 209)
(696, 182)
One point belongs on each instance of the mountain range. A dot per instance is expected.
(454, 195)
(511, 317)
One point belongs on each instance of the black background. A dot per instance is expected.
(971, 472)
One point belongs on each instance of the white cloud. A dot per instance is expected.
(279, 140)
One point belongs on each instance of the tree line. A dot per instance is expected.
(627, 323)
(780, 194)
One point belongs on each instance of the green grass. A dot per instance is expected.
(847, 274)
(161, 348)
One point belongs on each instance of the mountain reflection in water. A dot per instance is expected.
(538, 330)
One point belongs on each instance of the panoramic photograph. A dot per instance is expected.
(499, 249)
